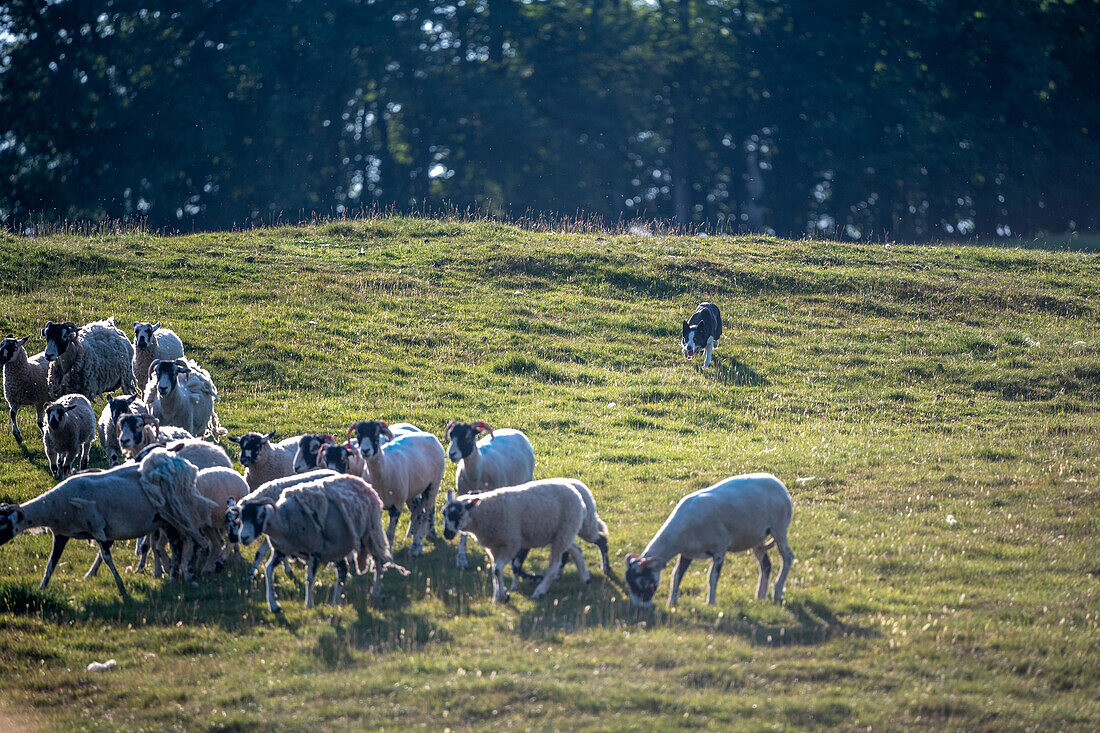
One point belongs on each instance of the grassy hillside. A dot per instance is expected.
(933, 411)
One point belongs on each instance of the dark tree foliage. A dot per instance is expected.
(911, 119)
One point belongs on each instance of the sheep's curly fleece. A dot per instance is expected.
(162, 475)
(99, 362)
(352, 506)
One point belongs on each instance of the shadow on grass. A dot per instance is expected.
(730, 370)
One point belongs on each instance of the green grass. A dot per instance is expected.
(929, 408)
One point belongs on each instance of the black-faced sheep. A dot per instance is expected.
(136, 432)
(68, 433)
(89, 360)
(151, 342)
(107, 427)
(733, 515)
(305, 457)
(264, 461)
(182, 393)
(26, 379)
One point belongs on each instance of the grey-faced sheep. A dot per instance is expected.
(88, 360)
(26, 379)
(182, 393)
(505, 521)
(320, 521)
(264, 461)
(733, 515)
(405, 470)
(151, 342)
(121, 503)
(305, 457)
(108, 423)
(503, 458)
(68, 433)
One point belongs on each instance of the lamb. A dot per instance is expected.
(265, 462)
(323, 520)
(182, 393)
(735, 514)
(504, 458)
(25, 379)
(405, 470)
(68, 432)
(89, 360)
(533, 514)
(305, 457)
(151, 342)
(121, 503)
(138, 432)
(108, 423)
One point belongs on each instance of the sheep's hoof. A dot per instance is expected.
(276, 608)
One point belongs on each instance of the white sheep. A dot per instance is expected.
(68, 433)
(264, 461)
(503, 458)
(733, 515)
(182, 393)
(151, 342)
(26, 379)
(136, 432)
(534, 514)
(405, 470)
(121, 503)
(593, 531)
(107, 427)
(88, 360)
(320, 521)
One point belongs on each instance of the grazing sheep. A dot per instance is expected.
(108, 423)
(151, 342)
(89, 360)
(404, 470)
(305, 457)
(733, 515)
(265, 462)
(534, 514)
(504, 458)
(68, 432)
(26, 380)
(121, 503)
(136, 432)
(181, 393)
(320, 521)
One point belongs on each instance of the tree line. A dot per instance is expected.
(909, 119)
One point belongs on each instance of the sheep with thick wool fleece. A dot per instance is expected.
(266, 461)
(503, 458)
(508, 520)
(180, 392)
(593, 531)
(121, 503)
(219, 485)
(405, 470)
(321, 521)
(733, 515)
(68, 432)
(89, 360)
(152, 342)
(26, 380)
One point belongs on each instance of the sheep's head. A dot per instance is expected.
(371, 434)
(253, 520)
(305, 459)
(56, 411)
(168, 374)
(10, 346)
(463, 437)
(131, 431)
(251, 444)
(13, 520)
(643, 575)
(144, 334)
(120, 405)
(58, 337)
(456, 514)
(336, 457)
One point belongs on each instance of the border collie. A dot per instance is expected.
(702, 331)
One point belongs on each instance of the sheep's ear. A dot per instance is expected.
(268, 437)
(24, 340)
(450, 495)
(46, 406)
(48, 324)
(156, 325)
(447, 432)
(231, 439)
(72, 407)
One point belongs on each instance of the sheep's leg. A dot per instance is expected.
(715, 570)
(15, 428)
(376, 584)
(214, 562)
(605, 561)
(395, 512)
(552, 570)
(788, 560)
(420, 518)
(105, 553)
(517, 567)
(144, 544)
(311, 573)
(94, 569)
(41, 416)
(85, 454)
(677, 576)
(460, 560)
(765, 563)
(577, 554)
(261, 553)
(341, 579)
(59, 542)
(499, 594)
(269, 577)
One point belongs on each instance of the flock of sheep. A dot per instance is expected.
(317, 499)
